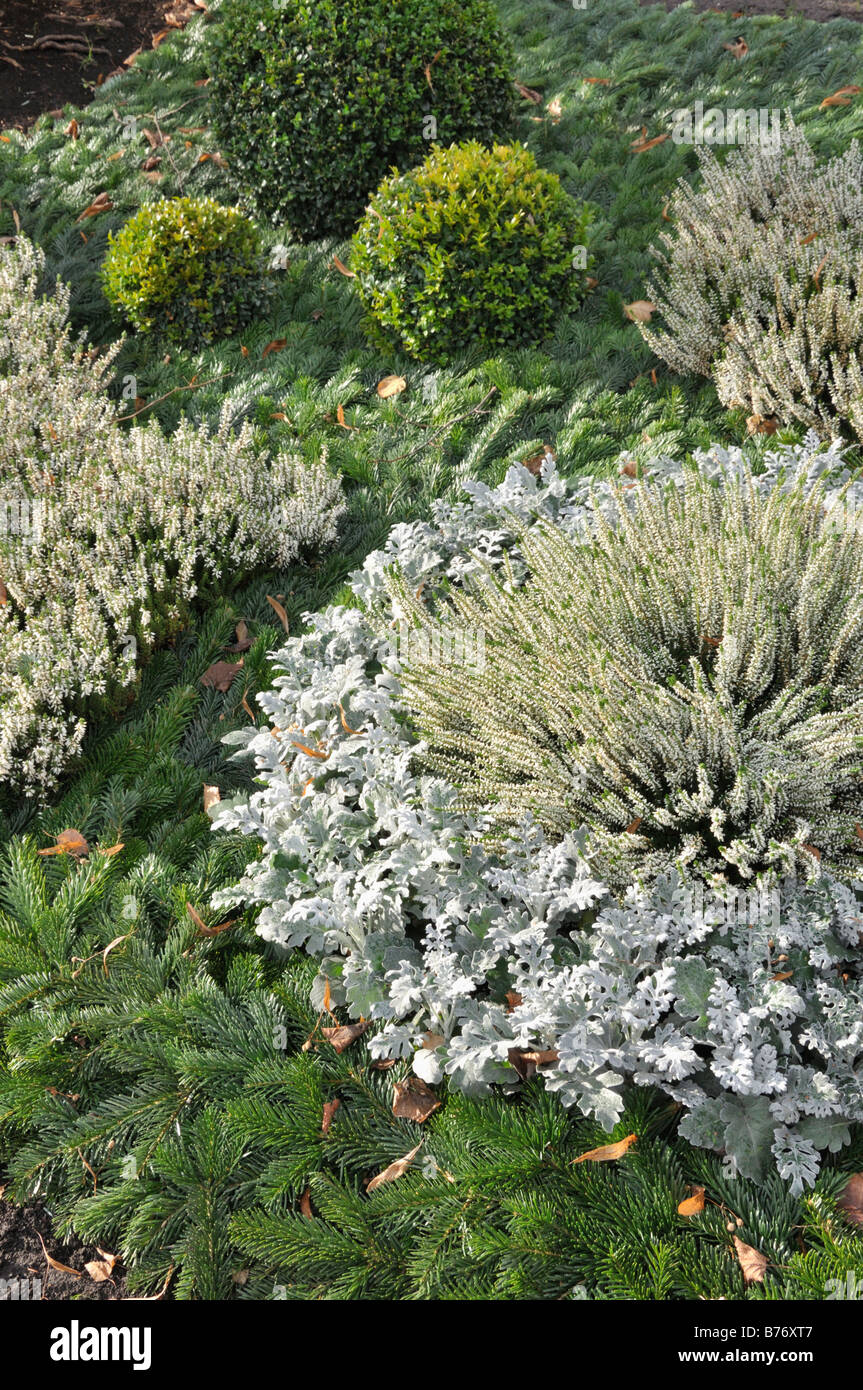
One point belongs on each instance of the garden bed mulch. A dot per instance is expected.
(806, 9)
(55, 52)
(22, 1260)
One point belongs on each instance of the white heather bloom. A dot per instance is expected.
(130, 522)
(759, 283)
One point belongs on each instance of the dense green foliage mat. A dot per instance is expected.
(157, 1094)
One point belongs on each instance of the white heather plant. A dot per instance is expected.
(759, 283)
(746, 1008)
(105, 534)
(687, 682)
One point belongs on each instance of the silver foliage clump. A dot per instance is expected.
(686, 680)
(106, 534)
(759, 283)
(745, 1006)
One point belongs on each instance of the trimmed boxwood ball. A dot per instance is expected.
(475, 247)
(314, 100)
(187, 267)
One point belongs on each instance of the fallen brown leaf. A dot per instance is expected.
(691, 1206)
(607, 1152)
(391, 386)
(101, 203)
(68, 842)
(342, 268)
(640, 310)
(851, 1199)
(759, 424)
(306, 1204)
(528, 93)
(243, 641)
(221, 674)
(275, 346)
(842, 97)
(641, 144)
(526, 1062)
(55, 1264)
(344, 1034)
(340, 419)
(330, 1108)
(751, 1261)
(414, 1100)
(212, 797)
(100, 1270)
(395, 1170)
(279, 612)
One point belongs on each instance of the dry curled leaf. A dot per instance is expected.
(276, 345)
(528, 93)
(101, 203)
(279, 611)
(330, 1108)
(751, 1261)
(535, 462)
(243, 641)
(633, 825)
(414, 1100)
(607, 1153)
(344, 1034)
(691, 1206)
(340, 418)
(642, 143)
(69, 842)
(345, 725)
(851, 1199)
(526, 1062)
(640, 310)
(342, 268)
(212, 796)
(395, 1170)
(221, 674)
(306, 1204)
(55, 1264)
(739, 47)
(391, 386)
(842, 97)
(100, 1270)
(760, 424)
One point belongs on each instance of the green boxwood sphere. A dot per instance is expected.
(475, 247)
(188, 268)
(313, 101)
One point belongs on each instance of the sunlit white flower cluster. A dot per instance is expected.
(759, 279)
(105, 534)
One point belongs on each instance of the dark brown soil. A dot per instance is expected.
(53, 52)
(25, 1273)
(808, 9)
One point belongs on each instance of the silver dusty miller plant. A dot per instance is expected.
(488, 962)
(758, 283)
(106, 534)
